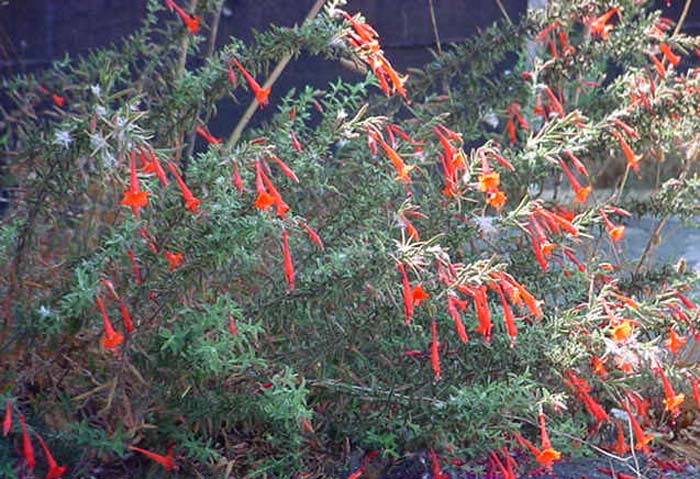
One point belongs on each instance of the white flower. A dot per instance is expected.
(96, 90)
(62, 138)
(341, 115)
(44, 312)
(98, 142)
(491, 119)
(100, 110)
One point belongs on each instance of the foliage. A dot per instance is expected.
(257, 351)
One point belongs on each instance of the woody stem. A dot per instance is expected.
(250, 111)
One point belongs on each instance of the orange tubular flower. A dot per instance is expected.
(674, 343)
(133, 196)
(261, 94)
(166, 461)
(598, 367)
(153, 166)
(496, 199)
(554, 101)
(489, 181)
(511, 328)
(357, 473)
(668, 54)
(231, 75)
(191, 203)
(660, 68)
(402, 169)
(578, 165)
(695, 388)
(112, 339)
(212, 140)
(483, 314)
(616, 232)
(632, 159)
(288, 265)
(672, 401)
(547, 454)
(236, 178)
(510, 128)
(452, 310)
(281, 207)
(190, 21)
(126, 317)
(581, 193)
(175, 259)
(55, 471)
(581, 388)
(312, 234)
(27, 449)
(599, 25)
(412, 231)
(642, 439)
(7, 421)
(264, 199)
(434, 356)
(288, 172)
(406, 293)
(295, 141)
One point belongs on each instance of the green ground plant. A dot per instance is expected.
(391, 264)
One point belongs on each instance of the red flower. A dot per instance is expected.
(134, 267)
(112, 339)
(288, 265)
(175, 259)
(236, 178)
(285, 169)
(407, 294)
(133, 196)
(599, 25)
(357, 473)
(126, 317)
(7, 421)
(55, 471)
(452, 305)
(190, 21)
(511, 328)
(434, 356)
(312, 234)
(261, 94)
(581, 388)
(675, 342)
(295, 142)
(668, 54)
(212, 140)
(281, 207)
(153, 166)
(482, 312)
(672, 401)
(580, 192)
(27, 449)
(166, 461)
(264, 199)
(402, 169)
(616, 232)
(191, 203)
(642, 439)
(632, 159)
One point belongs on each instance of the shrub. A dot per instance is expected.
(396, 272)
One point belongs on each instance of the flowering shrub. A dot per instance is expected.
(388, 264)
